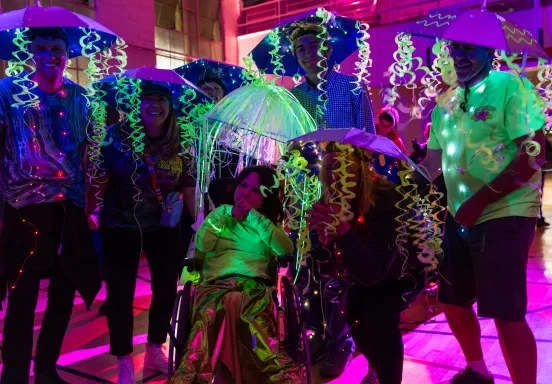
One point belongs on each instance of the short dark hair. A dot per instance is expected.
(206, 80)
(48, 33)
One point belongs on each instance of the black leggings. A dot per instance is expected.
(373, 314)
(121, 251)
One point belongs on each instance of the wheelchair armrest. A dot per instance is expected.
(191, 265)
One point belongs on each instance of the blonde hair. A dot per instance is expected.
(369, 181)
(305, 29)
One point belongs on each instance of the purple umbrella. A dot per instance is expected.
(74, 24)
(477, 27)
(163, 77)
(360, 139)
(357, 138)
(342, 31)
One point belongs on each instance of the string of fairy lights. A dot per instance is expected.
(302, 184)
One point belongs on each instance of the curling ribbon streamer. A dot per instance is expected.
(19, 68)
(325, 16)
(275, 56)
(364, 62)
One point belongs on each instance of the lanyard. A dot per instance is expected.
(151, 168)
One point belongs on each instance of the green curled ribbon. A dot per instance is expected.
(18, 67)
(365, 62)
(323, 62)
(275, 56)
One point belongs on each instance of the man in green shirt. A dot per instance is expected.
(483, 139)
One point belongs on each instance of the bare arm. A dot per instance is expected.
(214, 224)
(187, 184)
(189, 199)
(515, 175)
(272, 235)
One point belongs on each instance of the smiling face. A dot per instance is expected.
(154, 109)
(213, 90)
(50, 57)
(469, 60)
(249, 189)
(306, 51)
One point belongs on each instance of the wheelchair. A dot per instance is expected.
(290, 314)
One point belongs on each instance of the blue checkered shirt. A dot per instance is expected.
(344, 109)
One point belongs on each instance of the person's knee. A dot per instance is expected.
(457, 311)
(504, 325)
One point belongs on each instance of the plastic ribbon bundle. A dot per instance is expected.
(18, 65)
(364, 63)
(190, 123)
(442, 68)
(419, 221)
(342, 196)
(545, 89)
(302, 190)
(137, 133)
(509, 59)
(250, 75)
(324, 16)
(403, 71)
(275, 56)
(99, 66)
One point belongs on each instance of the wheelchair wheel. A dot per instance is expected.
(296, 341)
(180, 325)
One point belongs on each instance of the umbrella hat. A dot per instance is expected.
(199, 70)
(258, 120)
(360, 139)
(477, 27)
(164, 81)
(75, 27)
(342, 32)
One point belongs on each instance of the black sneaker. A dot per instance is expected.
(541, 222)
(318, 349)
(469, 376)
(103, 309)
(337, 362)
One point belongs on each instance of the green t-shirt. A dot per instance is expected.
(478, 144)
(249, 247)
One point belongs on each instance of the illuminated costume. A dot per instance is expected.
(45, 231)
(237, 257)
(381, 285)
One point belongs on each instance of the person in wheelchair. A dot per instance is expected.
(363, 250)
(236, 250)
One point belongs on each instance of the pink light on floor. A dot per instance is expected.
(88, 353)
